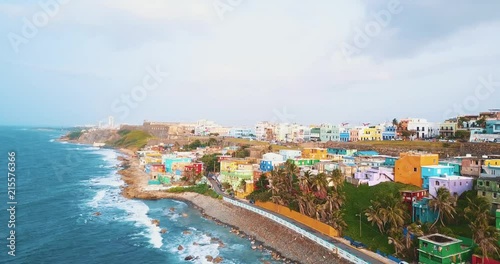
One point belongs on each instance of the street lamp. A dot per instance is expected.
(359, 223)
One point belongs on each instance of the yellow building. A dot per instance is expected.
(408, 167)
(492, 162)
(315, 153)
(370, 134)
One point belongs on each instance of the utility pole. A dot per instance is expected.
(359, 223)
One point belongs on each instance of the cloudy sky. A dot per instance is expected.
(70, 62)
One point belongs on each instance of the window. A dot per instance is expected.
(437, 183)
(487, 183)
(484, 193)
(460, 183)
(455, 184)
(415, 169)
(424, 244)
(480, 183)
(495, 195)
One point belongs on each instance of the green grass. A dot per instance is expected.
(200, 188)
(413, 144)
(357, 201)
(135, 139)
(75, 135)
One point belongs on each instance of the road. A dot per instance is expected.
(347, 248)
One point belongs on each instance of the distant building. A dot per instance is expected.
(422, 213)
(435, 171)
(329, 133)
(290, 154)
(472, 166)
(447, 129)
(314, 153)
(375, 176)
(389, 133)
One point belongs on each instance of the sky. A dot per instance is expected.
(238, 62)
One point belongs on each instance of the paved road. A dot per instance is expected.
(338, 244)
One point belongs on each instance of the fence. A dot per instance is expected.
(328, 245)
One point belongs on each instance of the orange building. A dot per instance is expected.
(408, 167)
(315, 153)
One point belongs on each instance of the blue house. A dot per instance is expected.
(366, 153)
(266, 165)
(390, 161)
(337, 151)
(457, 166)
(492, 126)
(345, 136)
(422, 212)
(348, 160)
(389, 133)
(435, 171)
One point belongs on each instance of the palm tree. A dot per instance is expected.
(412, 230)
(485, 236)
(393, 211)
(336, 220)
(395, 122)
(444, 204)
(398, 244)
(305, 182)
(374, 216)
(336, 179)
(319, 184)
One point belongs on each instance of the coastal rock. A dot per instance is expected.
(180, 247)
(155, 222)
(189, 258)
(172, 209)
(184, 215)
(195, 244)
(254, 247)
(221, 245)
(209, 258)
(97, 213)
(186, 232)
(218, 259)
(163, 231)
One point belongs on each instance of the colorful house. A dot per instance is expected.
(409, 165)
(315, 153)
(457, 166)
(290, 154)
(375, 176)
(329, 133)
(435, 171)
(472, 166)
(389, 133)
(305, 162)
(370, 134)
(390, 161)
(489, 188)
(409, 197)
(269, 161)
(455, 184)
(492, 162)
(438, 249)
(366, 153)
(341, 151)
(235, 170)
(345, 136)
(196, 168)
(354, 135)
(175, 165)
(154, 168)
(422, 213)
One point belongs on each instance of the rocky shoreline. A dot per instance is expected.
(283, 244)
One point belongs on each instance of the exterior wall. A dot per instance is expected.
(493, 126)
(290, 154)
(375, 176)
(329, 133)
(434, 252)
(492, 162)
(489, 188)
(455, 184)
(390, 161)
(434, 171)
(422, 213)
(408, 167)
(472, 167)
(354, 135)
(389, 133)
(370, 134)
(315, 153)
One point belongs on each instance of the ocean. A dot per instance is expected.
(68, 209)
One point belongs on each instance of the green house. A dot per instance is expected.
(437, 248)
(305, 162)
(489, 188)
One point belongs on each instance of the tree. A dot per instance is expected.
(262, 183)
(481, 122)
(212, 142)
(485, 236)
(444, 204)
(210, 162)
(462, 135)
(395, 122)
(373, 215)
(336, 179)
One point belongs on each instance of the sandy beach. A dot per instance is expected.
(286, 244)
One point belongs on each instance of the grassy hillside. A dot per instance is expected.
(134, 139)
(357, 201)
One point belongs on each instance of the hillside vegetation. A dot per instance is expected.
(133, 140)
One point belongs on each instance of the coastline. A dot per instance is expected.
(266, 233)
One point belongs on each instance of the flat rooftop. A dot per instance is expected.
(438, 167)
(439, 239)
(452, 178)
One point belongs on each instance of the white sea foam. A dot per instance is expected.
(109, 197)
(52, 140)
(203, 248)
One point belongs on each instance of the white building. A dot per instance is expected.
(455, 184)
(261, 129)
(290, 154)
(375, 175)
(422, 128)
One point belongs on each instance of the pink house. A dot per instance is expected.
(375, 175)
(455, 184)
